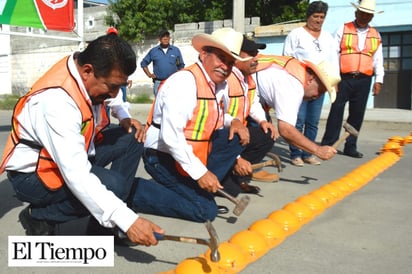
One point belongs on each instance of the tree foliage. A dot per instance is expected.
(137, 19)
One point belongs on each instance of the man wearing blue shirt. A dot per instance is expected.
(166, 59)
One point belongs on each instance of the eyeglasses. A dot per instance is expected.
(317, 46)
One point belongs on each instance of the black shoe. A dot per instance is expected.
(353, 153)
(33, 226)
(247, 188)
(222, 209)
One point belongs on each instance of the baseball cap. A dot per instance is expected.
(251, 46)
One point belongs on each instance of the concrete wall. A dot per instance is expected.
(30, 57)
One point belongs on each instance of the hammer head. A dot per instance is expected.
(350, 129)
(276, 159)
(241, 205)
(213, 243)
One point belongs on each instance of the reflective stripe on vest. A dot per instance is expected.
(239, 105)
(207, 117)
(352, 59)
(57, 77)
(293, 66)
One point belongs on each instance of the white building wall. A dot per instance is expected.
(5, 68)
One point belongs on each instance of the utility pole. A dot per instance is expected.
(239, 15)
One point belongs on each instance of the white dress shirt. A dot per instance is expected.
(174, 106)
(53, 120)
(281, 91)
(300, 44)
(257, 113)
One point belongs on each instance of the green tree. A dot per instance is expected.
(137, 19)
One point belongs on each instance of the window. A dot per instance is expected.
(397, 51)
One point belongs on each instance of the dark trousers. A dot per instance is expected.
(356, 92)
(118, 148)
(260, 143)
(180, 196)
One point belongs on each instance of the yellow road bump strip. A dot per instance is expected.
(246, 246)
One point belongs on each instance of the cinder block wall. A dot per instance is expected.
(32, 56)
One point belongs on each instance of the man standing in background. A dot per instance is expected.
(361, 58)
(166, 58)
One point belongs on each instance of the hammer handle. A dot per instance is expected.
(263, 164)
(227, 195)
(341, 139)
(160, 237)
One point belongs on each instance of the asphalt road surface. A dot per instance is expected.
(369, 231)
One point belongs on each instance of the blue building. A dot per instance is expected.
(395, 26)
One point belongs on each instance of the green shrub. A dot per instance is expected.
(140, 99)
(8, 101)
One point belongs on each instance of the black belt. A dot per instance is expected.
(354, 75)
(13, 173)
(151, 152)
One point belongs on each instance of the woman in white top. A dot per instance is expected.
(310, 42)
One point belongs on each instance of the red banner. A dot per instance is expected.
(57, 14)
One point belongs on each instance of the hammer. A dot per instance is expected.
(212, 243)
(241, 203)
(275, 161)
(349, 130)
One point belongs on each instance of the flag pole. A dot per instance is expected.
(80, 24)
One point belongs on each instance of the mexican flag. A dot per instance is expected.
(43, 14)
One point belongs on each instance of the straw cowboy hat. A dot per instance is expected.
(325, 72)
(225, 39)
(367, 6)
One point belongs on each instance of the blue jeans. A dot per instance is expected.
(118, 148)
(156, 84)
(180, 196)
(307, 123)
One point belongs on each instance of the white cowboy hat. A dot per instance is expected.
(327, 75)
(225, 39)
(367, 6)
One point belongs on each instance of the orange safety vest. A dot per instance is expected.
(352, 59)
(292, 65)
(207, 117)
(239, 104)
(57, 76)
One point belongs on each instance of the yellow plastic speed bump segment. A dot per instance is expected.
(252, 242)
(232, 258)
(270, 230)
(334, 191)
(397, 139)
(313, 202)
(327, 198)
(356, 179)
(339, 183)
(288, 220)
(407, 139)
(196, 265)
(302, 211)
